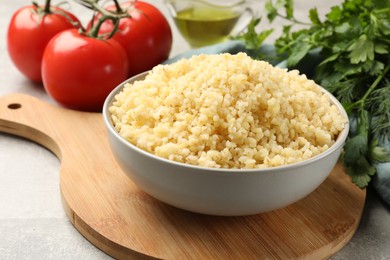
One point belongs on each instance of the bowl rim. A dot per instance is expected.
(110, 127)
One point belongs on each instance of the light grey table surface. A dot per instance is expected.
(33, 224)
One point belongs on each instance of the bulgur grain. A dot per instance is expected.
(227, 111)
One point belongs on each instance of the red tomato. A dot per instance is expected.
(28, 34)
(146, 36)
(79, 71)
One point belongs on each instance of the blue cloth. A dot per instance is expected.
(381, 180)
(232, 47)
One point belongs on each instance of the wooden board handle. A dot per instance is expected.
(78, 140)
(22, 115)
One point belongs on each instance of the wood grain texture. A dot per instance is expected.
(117, 217)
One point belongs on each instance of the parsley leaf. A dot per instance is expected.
(354, 42)
(313, 15)
(361, 50)
(361, 172)
(299, 51)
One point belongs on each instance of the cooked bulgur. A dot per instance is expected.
(227, 111)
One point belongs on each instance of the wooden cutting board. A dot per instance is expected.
(117, 217)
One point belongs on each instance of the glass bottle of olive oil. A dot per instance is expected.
(202, 26)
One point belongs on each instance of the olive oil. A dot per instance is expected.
(202, 26)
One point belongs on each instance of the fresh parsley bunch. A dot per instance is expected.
(354, 44)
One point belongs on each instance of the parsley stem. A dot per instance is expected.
(292, 19)
(383, 10)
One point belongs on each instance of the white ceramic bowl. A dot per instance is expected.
(225, 192)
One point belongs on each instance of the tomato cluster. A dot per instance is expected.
(79, 67)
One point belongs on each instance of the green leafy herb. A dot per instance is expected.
(253, 40)
(354, 43)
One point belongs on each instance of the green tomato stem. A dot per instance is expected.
(118, 7)
(94, 32)
(47, 8)
(292, 19)
(105, 15)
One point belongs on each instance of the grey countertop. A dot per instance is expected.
(33, 224)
